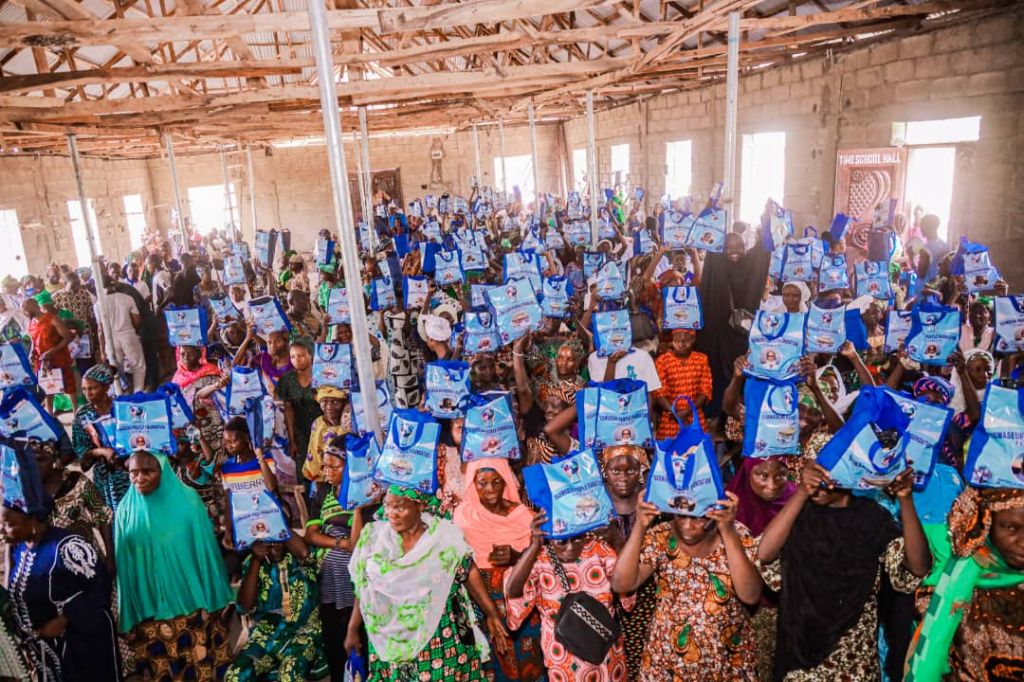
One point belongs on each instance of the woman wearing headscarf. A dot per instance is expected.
(974, 595)
(171, 581)
(980, 366)
(108, 472)
(496, 525)
(624, 468)
(825, 553)
(762, 488)
(418, 564)
(191, 369)
(301, 409)
(733, 280)
(59, 586)
(792, 298)
(977, 332)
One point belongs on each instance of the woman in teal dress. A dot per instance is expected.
(411, 575)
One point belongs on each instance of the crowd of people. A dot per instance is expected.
(691, 450)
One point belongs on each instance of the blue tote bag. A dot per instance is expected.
(973, 262)
(490, 428)
(332, 365)
(447, 383)
(643, 243)
(21, 416)
(610, 285)
(571, 490)
(382, 294)
(896, 329)
(263, 245)
(593, 261)
(684, 478)
(553, 239)
(515, 309)
(674, 228)
(826, 329)
(923, 438)
(833, 273)
(995, 457)
(233, 272)
(144, 422)
(268, 315)
(246, 383)
(358, 488)
(15, 369)
(681, 308)
(447, 269)
(480, 335)
(224, 308)
(478, 294)
(554, 300)
(339, 309)
(577, 233)
(612, 332)
(383, 396)
(323, 251)
(797, 262)
(409, 455)
(186, 326)
(934, 333)
(776, 344)
(854, 457)
(256, 515)
(614, 412)
(181, 412)
(414, 292)
(873, 279)
(773, 418)
(261, 418)
(472, 257)
(1009, 323)
(520, 264)
(709, 230)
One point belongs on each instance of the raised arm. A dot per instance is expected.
(629, 573)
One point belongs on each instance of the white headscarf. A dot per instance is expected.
(959, 403)
(774, 304)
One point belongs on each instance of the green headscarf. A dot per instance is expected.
(964, 561)
(168, 560)
(44, 298)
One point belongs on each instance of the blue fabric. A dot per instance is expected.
(409, 456)
(234, 271)
(447, 270)
(186, 326)
(555, 297)
(833, 273)
(684, 478)
(571, 490)
(383, 408)
(332, 365)
(1009, 323)
(245, 383)
(447, 383)
(256, 515)
(268, 315)
(995, 457)
(773, 418)
(610, 285)
(681, 308)
(357, 485)
(614, 412)
(674, 228)
(15, 369)
(181, 412)
(515, 309)
(873, 279)
(776, 345)
(144, 422)
(490, 428)
(896, 329)
(934, 333)
(924, 436)
(338, 308)
(414, 291)
(21, 416)
(480, 335)
(612, 332)
(382, 294)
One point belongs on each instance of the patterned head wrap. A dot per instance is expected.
(970, 519)
(330, 392)
(101, 374)
(634, 451)
(807, 398)
(980, 353)
(431, 505)
(936, 384)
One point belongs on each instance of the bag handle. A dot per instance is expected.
(782, 328)
(688, 468)
(771, 389)
(810, 228)
(695, 422)
(687, 294)
(418, 432)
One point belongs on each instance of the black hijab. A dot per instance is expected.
(829, 566)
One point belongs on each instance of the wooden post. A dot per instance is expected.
(533, 153)
(252, 189)
(501, 145)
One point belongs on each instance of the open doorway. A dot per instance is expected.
(931, 165)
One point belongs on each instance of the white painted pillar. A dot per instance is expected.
(533, 153)
(732, 83)
(592, 169)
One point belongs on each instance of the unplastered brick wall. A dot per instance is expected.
(971, 69)
(38, 189)
(293, 187)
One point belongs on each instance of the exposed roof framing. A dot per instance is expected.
(120, 72)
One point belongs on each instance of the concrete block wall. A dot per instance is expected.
(822, 104)
(970, 69)
(38, 189)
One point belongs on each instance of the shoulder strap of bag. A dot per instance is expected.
(556, 565)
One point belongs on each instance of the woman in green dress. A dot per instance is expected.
(411, 575)
(279, 592)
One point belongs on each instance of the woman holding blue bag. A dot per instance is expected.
(826, 559)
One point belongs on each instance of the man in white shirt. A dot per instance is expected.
(123, 318)
(636, 364)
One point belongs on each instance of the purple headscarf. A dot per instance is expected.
(754, 512)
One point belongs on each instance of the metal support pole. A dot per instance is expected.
(476, 155)
(252, 189)
(501, 144)
(732, 84)
(228, 202)
(343, 212)
(169, 142)
(90, 238)
(592, 168)
(533, 153)
(367, 184)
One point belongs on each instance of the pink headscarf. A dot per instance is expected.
(752, 511)
(483, 529)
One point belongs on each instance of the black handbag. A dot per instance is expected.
(583, 625)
